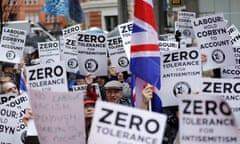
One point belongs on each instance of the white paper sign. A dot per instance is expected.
(206, 120)
(117, 54)
(115, 124)
(8, 122)
(19, 104)
(71, 31)
(58, 116)
(49, 52)
(7, 97)
(125, 31)
(227, 88)
(168, 45)
(230, 72)
(214, 41)
(184, 25)
(180, 74)
(12, 44)
(70, 55)
(92, 55)
(82, 89)
(234, 35)
(51, 77)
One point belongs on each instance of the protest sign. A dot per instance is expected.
(92, 57)
(229, 89)
(214, 41)
(118, 124)
(12, 44)
(83, 89)
(8, 123)
(7, 97)
(230, 72)
(168, 45)
(180, 74)
(19, 104)
(117, 54)
(206, 119)
(51, 77)
(49, 52)
(125, 30)
(70, 55)
(71, 31)
(234, 35)
(58, 116)
(184, 25)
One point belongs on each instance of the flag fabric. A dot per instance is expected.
(145, 51)
(22, 83)
(75, 11)
(56, 7)
(67, 8)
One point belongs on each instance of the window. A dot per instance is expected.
(111, 22)
(12, 2)
(31, 2)
(33, 17)
(51, 19)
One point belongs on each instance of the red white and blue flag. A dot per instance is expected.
(145, 51)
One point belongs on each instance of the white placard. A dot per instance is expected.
(214, 41)
(71, 31)
(82, 89)
(184, 25)
(8, 122)
(7, 97)
(19, 104)
(167, 45)
(227, 88)
(125, 31)
(12, 44)
(92, 55)
(58, 116)
(115, 124)
(70, 55)
(206, 120)
(231, 72)
(117, 54)
(180, 74)
(234, 35)
(49, 52)
(51, 77)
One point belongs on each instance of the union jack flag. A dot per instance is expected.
(145, 51)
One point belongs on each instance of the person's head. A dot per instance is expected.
(80, 80)
(8, 68)
(5, 77)
(113, 91)
(120, 77)
(89, 107)
(9, 87)
(101, 81)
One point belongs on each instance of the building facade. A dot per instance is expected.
(105, 14)
(29, 10)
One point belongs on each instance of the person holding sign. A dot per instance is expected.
(89, 107)
(114, 92)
